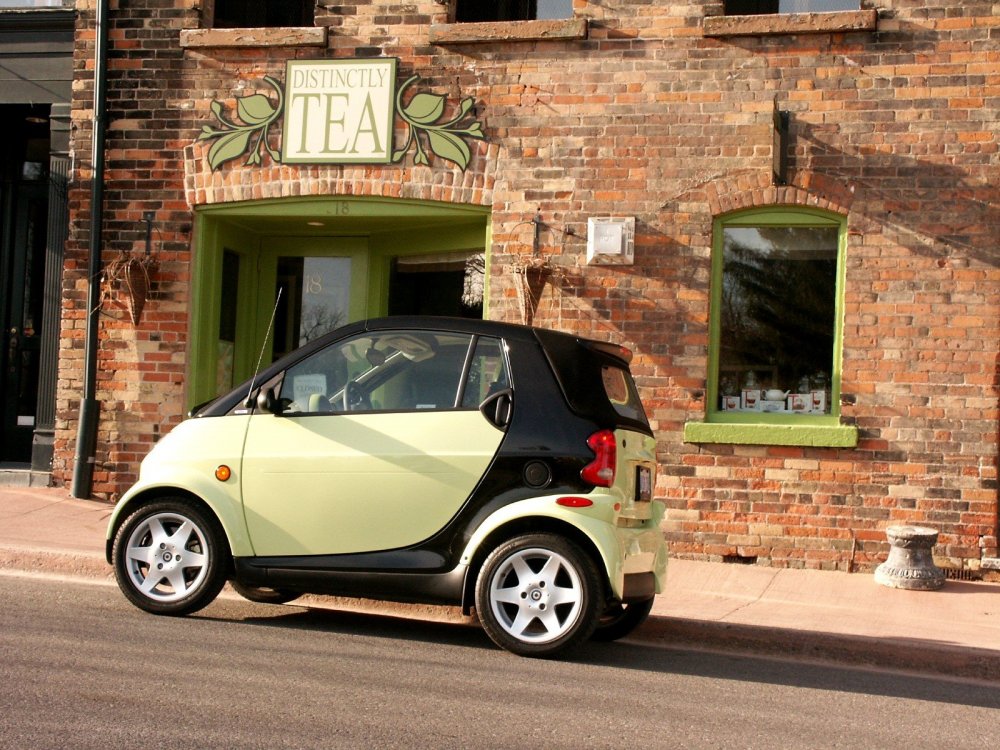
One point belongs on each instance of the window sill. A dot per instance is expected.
(283, 36)
(791, 23)
(817, 436)
(508, 31)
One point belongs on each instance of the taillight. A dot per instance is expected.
(601, 471)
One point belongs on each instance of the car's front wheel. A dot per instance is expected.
(538, 595)
(170, 557)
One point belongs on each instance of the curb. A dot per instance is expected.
(55, 562)
(926, 658)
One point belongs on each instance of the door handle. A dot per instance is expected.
(497, 408)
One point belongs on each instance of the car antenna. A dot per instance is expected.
(256, 372)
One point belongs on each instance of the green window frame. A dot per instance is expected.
(782, 426)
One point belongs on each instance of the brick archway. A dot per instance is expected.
(440, 182)
(808, 189)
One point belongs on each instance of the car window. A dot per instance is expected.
(386, 371)
(622, 393)
(487, 372)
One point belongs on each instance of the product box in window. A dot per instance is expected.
(730, 403)
(800, 403)
(818, 402)
(751, 399)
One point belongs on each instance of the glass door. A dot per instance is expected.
(312, 286)
(315, 298)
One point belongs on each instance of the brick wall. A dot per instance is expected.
(647, 117)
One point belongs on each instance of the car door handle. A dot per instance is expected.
(498, 407)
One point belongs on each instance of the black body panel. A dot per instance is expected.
(443, 588)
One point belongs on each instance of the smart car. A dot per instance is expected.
(501, 468)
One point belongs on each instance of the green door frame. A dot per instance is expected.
(391, 228)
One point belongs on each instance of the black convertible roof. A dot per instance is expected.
(578, 377)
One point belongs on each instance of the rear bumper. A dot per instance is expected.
(642, 570)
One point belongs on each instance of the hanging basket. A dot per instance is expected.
(129, 279)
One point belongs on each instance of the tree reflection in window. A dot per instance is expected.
(778, 306)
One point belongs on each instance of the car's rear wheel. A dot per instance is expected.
(170, 557)
(538, 595)
(620, 620)
(264, 594)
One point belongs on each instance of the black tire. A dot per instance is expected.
(538, 595)
(170, 557)
(620, 620)
(264, 594)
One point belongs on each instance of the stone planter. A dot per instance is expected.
(910, 564)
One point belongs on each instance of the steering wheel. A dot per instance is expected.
(355, 398)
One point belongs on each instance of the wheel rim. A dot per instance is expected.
(166, 557)
(536, 595)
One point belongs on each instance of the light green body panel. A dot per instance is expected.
(624, 550)
(186, 459)
(360, 482)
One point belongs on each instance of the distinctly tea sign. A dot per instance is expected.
(339, 111)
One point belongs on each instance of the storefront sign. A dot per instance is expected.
(339, 111)
(342, 112)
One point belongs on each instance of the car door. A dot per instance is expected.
(377, 444)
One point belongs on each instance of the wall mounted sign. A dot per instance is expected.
(342, 112)
(339, 111)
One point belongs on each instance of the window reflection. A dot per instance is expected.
(777, 318)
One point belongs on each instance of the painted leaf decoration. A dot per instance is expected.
(449, 146)
(254, 109)
(228, 147)
(425, 108)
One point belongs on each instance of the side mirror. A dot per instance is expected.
(266, 402)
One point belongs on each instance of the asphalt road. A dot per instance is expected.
(81, 668)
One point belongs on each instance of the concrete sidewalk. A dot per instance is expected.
(831, 616)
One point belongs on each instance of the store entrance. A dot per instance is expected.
(23, 220)
(272, 276)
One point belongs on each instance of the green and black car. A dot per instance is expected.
(491, 466)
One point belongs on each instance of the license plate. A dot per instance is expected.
(643, 484)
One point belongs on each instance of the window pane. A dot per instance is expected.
(243, 14)
(757, 7)
(512, 10)
(777, 318)
(816, 6)
(554, 9)
(391, 371)
(315, 299)
(487, 374)
(622, 393)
